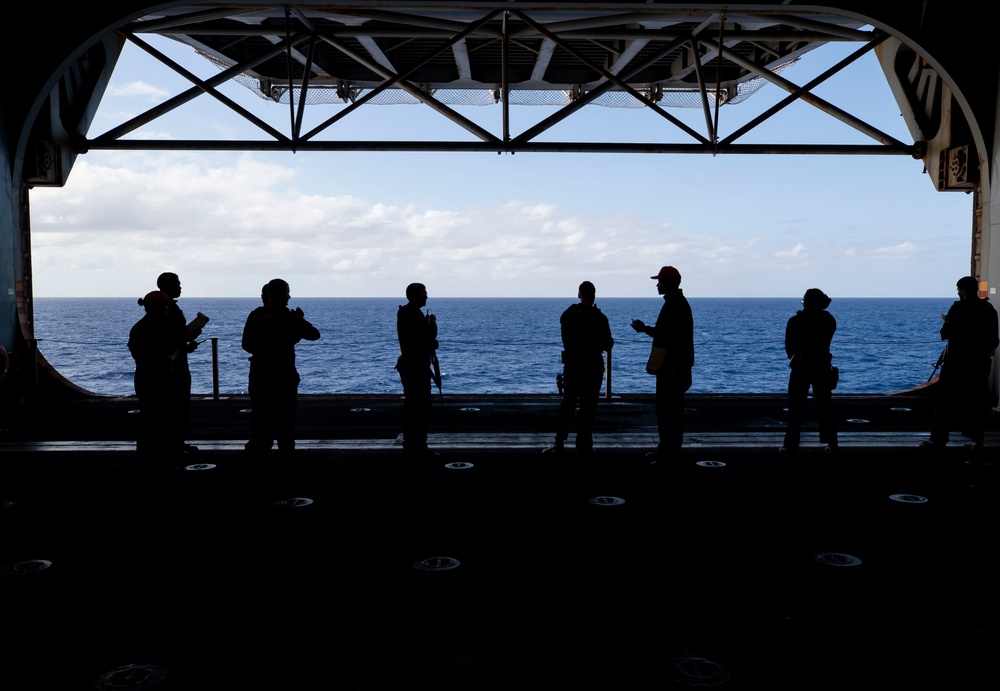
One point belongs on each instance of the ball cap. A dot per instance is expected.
(668, 272)
(157, 296)
(815, 296)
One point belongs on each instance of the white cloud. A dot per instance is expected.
(354, 223)
(903, 249)
(797, 252)
(228, 224)
(139, 88)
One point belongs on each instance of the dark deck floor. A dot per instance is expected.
(737, 569)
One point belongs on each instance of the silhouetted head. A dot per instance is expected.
(668, 278)
(816, 298)
(156, 301)
(278, 292)
(416, 294)
(263, 293)
(169, 283)
(587, 292)
(968, 285)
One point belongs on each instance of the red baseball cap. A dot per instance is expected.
(157, 296)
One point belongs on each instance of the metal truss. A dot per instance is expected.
(353, 55)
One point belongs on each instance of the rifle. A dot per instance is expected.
(940, 360)
(437, 374)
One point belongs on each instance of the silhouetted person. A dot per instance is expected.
(269, 335)
(186, 335)
(962, 393)
(585, 336)
(674, 331)
(417, 335)
(807, 344)
(154, 346)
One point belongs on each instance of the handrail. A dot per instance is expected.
(215, 368)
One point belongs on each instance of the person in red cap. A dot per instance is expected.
(155, 349)
(673, 346)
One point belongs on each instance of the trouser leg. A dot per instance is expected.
(152, 439)
(942, 412)
(567, 407)
(285, 419)
(975, 403)
(798, 390)
(416, 410)
(179, 413)
(827, 421)
(261, 430)
(589, 396)
(670, 414)
(261, 415)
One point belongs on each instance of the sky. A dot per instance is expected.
(365, 224)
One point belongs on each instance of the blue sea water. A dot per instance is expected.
(504, 345)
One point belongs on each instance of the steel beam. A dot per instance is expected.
(914, 150)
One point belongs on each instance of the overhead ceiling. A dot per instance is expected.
(445, 54)
(348, 48)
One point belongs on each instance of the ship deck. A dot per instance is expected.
(497, 567)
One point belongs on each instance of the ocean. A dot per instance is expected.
(504, 345)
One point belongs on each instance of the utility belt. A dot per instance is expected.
(411, 363)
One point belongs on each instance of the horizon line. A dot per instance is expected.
(499, 297)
